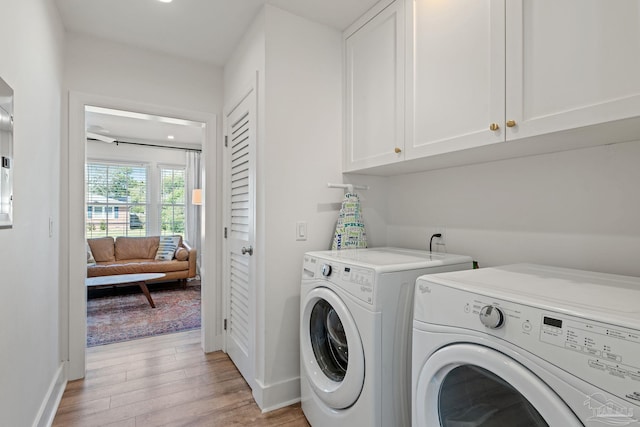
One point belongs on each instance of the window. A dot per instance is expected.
(172, 201)
(116, 198)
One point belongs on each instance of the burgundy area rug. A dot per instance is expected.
(123, 313)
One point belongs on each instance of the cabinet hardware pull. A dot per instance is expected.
(494, 126)
(398, 150)
(511, 123)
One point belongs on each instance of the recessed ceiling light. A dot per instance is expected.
(165, 1)
(170, 137)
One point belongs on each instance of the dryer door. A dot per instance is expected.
(472, 385)
(331, 348)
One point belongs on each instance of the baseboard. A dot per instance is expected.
(49, 406)
(276, 396)
(214, 343)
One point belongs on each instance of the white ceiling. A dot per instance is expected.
(127, 126)
(202, 30)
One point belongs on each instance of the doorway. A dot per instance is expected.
(141, 174)
(74, 307)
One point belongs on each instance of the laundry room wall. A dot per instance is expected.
(303, 128)
(576, 209)
(119, 71)
(31, 367)
(298, 150)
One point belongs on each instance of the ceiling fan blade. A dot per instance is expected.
(98, 137)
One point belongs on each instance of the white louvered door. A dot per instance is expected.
(240, 181)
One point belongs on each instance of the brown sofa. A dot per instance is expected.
(130, 255)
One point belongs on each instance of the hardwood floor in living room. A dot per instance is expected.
(164, 381)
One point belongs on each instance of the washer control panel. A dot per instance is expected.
(605, 355)
(357, 281)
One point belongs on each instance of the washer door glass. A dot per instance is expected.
(331, 349)
(329, 341)
(469, 385)
(473, 396)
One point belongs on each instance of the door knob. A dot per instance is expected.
(248, 250)
(398, 150)
(494, 126)
(511, 123)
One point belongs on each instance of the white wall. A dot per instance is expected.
(31, 40)
(303, 146)
(299, 146)
(104, 68)
(576, 209)
(247, 60)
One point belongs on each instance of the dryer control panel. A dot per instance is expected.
(612, 350)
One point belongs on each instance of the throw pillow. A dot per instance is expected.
(90, 258)
(182, 254)
(167, 248)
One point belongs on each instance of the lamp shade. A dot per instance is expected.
(196, 196)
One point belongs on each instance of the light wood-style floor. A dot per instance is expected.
(164, 381)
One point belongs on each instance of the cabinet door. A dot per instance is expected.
(571, 63)
(374, 97)
(455, 75)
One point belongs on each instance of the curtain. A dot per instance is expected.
(193, 180)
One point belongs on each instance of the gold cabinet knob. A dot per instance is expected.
(511, 123)
(398, 150)
(494, 126)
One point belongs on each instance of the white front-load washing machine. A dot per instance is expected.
(526, 345)
(355, 333)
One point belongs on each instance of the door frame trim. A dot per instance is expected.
(73, 296)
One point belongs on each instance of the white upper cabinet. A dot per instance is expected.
(489, 79)
(571, 63)
(455, 75)
(374, 89)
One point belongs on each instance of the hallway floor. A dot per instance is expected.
(164, 381)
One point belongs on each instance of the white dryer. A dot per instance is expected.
(526, 345)
(355, 334)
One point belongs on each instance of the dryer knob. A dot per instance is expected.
(326, 270)
(491, 317)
